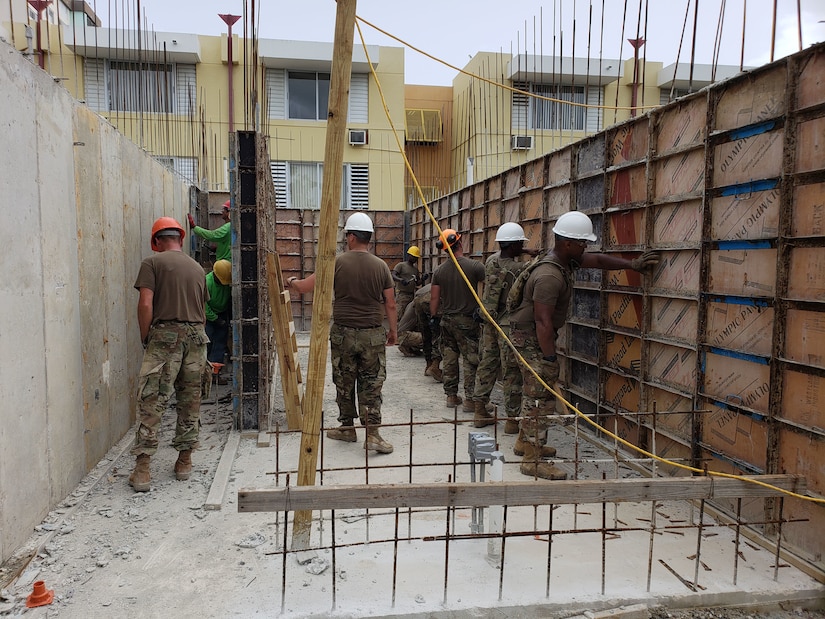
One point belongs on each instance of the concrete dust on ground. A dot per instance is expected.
(109, 552)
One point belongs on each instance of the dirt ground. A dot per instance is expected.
(106, 551)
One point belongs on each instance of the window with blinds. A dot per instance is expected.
(298, 185)
(553, 111)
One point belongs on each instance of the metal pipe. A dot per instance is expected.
(229, 19)
(40, 6)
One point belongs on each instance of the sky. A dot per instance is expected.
(455, 30)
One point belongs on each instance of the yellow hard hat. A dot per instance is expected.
(414, 251)
(223, 271)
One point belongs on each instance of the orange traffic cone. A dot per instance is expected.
(40, 596)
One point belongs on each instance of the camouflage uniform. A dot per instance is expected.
(173, 362)
(358, 357)
(459, 336)
(496, 356)
(537, 403)
(430, 339)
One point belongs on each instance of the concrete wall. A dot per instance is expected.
(79, 204)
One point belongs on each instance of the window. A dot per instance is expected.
(308, 95)
(146, 87)
(298, 185)
(665, 96)
(185, 167)
(423, 126)
(541, 114)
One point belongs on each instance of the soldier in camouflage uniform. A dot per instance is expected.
(171, 318)
(535, 322)
(459, 332)
(500, 269)
(407, 278)
(363, 296)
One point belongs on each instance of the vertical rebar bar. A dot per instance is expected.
(447, 547)
(699, 543)
(604, 536)
(650, 543)
(334, 561)
(549, 550)
(501, 556)
(395, 557)
(778, 540)
(736, 540)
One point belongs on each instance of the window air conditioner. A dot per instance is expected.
(357, 137)
(521, 142)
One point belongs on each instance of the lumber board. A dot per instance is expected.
(475, 494)
(214, 499)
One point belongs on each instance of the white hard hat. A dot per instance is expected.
(575, 225)
(358, 222)
(510, 232)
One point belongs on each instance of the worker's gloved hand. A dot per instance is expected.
(478, 316)
(191, 220)
(406, 282)
(646, 262)
(425, 277)
(220, 322)
(435, 323)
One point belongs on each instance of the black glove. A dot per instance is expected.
(478, 316)
(425, 277)
(435, 323)
(406, 282)
(220, 322)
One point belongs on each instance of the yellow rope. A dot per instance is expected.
(521, 359)
(498, 84)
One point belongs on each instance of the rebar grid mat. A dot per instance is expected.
(537, 555)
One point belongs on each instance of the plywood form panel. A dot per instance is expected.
(558, 201)
(621, 392)
(675, 319)
(810, 145)
(494, 214)
(586, 304)
(512, 211)
(673, 366)
(624, 310)
(590, 155)
(808, 211)
(627, 185)
(677, 224)
(748, 158)
(494, 188)
(532, 230)
(736, 435)
(672, 450)
(478, 193)
(534, 174)
(558, 167)
(803, 399)
(804, 533)
(682, 125)
(743, 272)
(672, 412)
(465, 198)
(623, 427)
(805, 337)
(532, 204)
(679, 175)
(584, 341)
(584, 377)
(625, 277)
(512, 182)
(807, 274)
(752, 98)
(810, 87)
(478, 217)
(626, 228)
(628, 143)
(741, 382)
(802, 453)
(747, 328)
(746, 216)
(623, 351)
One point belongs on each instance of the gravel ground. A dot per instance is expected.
(735, 613)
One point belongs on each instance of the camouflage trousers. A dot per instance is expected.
(537, 403)
(412, 341)
(459, 338)
(402, 300)
(497, 359)
(173, 361)
(430, 339)
(359, 365)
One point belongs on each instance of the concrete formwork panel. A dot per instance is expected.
(557, 201)
(805, 337)
(677, 225)
(623, 352)
(808, 217)
(672, 366)
(534, 174)
(682, 125)
(748, 216)
(743, 326)
(679, 176)
(753, 98)
(677, 418)
(533, 202)
(512, 183)
(627, 186)
(803, 453)
(624, 310)
(590, 155)
(803, 399)
(674, 319)
(628, 143)
(742, 382)
(810, 145)
(810, 88)
(626, 228)
(621, 392)
(586, 305)
(807, 274)
(749, 158)
(735, 435)
(677, 273)
(558, 166)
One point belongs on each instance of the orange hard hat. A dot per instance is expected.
(447, 237)
(166, 223)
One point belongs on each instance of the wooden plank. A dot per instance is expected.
(808, 218)
(810, 147)
(743, 272)
(805, 337)
(803, 399)
(214, 499)
(745, 217)
(746, 328)
(512, 493)
(810, 89)
(676, 319)
(679, 223)
(807, 274)
(736, 435)
(682, 125)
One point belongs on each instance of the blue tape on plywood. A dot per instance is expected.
(733, 354)
(749, 187)
(752, 130)
(728, 245)
(734, 300)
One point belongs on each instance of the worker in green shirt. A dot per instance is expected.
(219, 285)
(222, 236)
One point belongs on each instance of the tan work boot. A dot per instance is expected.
(183, 466)
(511, 427)
(453, 401)
(533, 466)
(546, 450)
(140, 477)
(434, 370)
(481, 414)
(343, 433)
(375, 442)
